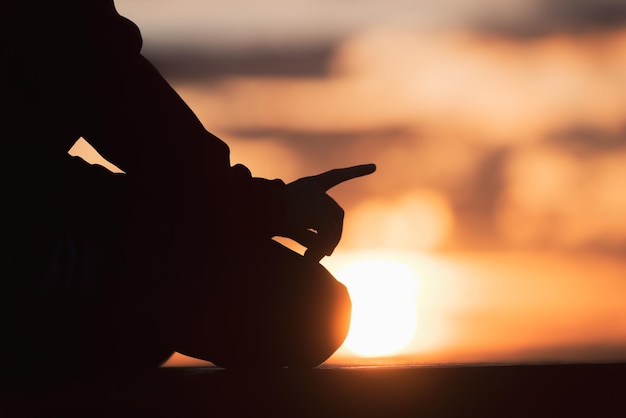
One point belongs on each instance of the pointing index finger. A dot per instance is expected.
(330, 179)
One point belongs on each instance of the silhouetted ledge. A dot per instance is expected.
(590, 390)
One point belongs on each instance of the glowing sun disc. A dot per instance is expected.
(384, 305)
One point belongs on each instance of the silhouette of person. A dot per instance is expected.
(109, 271)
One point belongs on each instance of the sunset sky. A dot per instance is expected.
(498, 128)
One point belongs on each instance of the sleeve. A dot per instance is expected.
(259, 203)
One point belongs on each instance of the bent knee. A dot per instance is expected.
(300, 327)
(324, 327)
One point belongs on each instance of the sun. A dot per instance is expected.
(384, 294)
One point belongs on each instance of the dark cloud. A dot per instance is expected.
(589, 140)
(315, 145)
(190, 62)
(586, 14)
(559, 16)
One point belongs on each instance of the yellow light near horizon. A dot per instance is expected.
(384, 295)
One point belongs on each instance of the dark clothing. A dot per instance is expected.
(110, 266)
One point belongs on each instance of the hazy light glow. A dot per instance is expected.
(419, 220)
(384, 294)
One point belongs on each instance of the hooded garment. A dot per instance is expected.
(74, 232)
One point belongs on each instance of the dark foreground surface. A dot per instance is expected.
(447, 391)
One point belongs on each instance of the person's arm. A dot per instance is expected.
(135, 119)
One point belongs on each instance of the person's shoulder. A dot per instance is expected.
(64, 25)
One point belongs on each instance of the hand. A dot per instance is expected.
(314, 219)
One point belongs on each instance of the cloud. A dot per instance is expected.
(498, 91)
(247, 26)
(536, 18)
(193, 62)
(584, 14)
